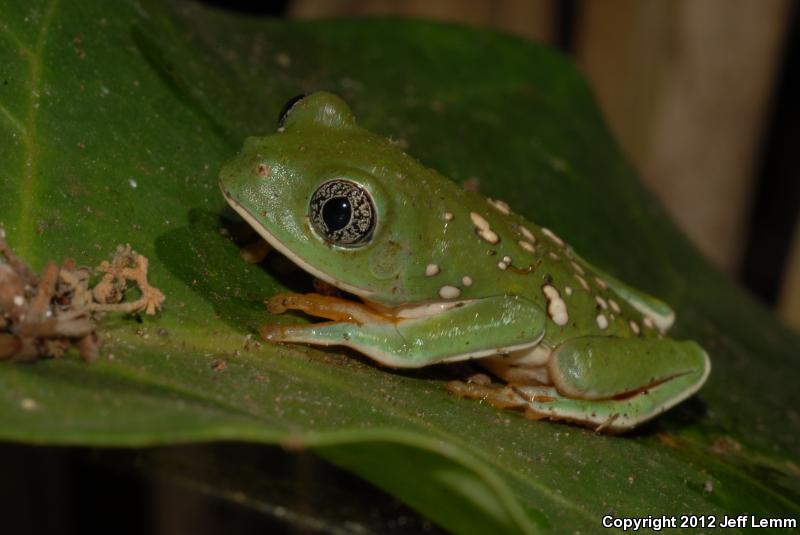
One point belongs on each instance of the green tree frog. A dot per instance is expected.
(439, 274)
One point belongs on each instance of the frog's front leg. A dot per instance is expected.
(450, 332)
(608, 383)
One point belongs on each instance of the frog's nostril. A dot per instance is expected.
(263, 170)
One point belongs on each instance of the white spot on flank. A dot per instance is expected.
(448, 216)
(648, 322)
(601, 283)
(479, 221)
(466, 280)
(449, 292)
(568, 290)
(553, 255)
(501, 206)
(556, 307)
(528, 234)
(527, 246)
(634, 327)
(601, 302)
(577, 267)
(602, 322)
(19, 300)
(431, 270)
(502, 265)
(507, 259)
(132, 183)
(28, 404)
(549, 233)
(483, 228)
(489, 235)
(582, 281)
(614, 306)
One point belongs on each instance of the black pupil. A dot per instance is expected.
(336, 213)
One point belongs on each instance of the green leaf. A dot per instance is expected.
(114, 121)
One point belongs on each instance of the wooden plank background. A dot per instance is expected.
(789, 300)
(686, 86)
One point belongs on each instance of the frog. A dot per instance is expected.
(424, 272)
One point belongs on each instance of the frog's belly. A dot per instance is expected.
(526, 366)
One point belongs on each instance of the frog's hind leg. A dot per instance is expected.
(619, 383)
(544, 402)
(606, 383)
(509, 396)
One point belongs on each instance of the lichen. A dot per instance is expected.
(42, 316)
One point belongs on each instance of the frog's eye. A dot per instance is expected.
(287, 109)
(342, 212)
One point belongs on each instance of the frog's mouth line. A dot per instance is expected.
(285, 251)
(363, 295)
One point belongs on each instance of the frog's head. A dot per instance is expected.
(344, 204)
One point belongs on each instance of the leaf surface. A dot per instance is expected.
(114, 121)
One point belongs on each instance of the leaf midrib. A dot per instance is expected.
(28, 129)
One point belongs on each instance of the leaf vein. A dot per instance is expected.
(28, 186)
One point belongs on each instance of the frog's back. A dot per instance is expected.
(501, 253)
(579, 300)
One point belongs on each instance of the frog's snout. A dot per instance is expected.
(231, 182)
(224, 185)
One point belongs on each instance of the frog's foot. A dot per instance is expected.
(532, 405)
(500, 397)
(347, 317)
(544, 402)
(605, 383)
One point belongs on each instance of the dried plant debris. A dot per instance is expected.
(44, 315)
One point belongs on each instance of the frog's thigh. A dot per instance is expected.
(602, 367)
(593, 374)
(471, 330)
